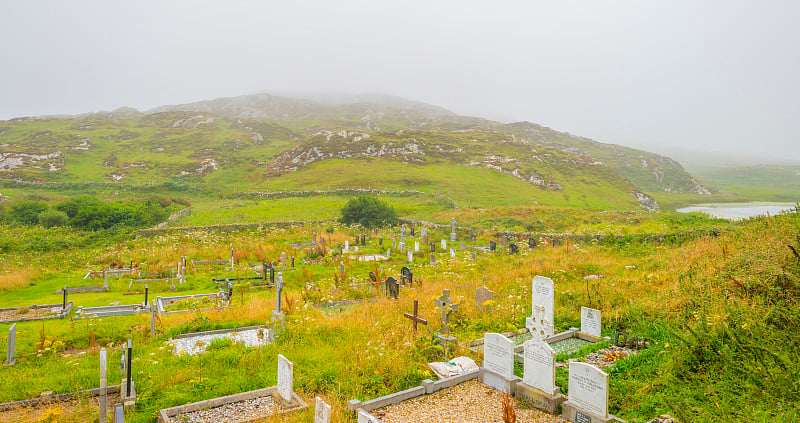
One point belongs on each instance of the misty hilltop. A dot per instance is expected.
(266, 142)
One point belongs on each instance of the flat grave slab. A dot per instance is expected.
(196, 343)
(35, 312)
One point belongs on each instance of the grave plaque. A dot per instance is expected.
(540, 366)
(12, 342)
(498, 354)
(285, 378)
(482, 295)
(322, 412)
(590, 321)
(588, 388)
(392, 288)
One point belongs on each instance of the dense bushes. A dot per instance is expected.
(368, 212)
(90, 213)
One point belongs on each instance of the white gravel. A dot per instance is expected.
(242, 411)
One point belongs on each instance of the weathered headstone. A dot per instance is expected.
(474, 256)
(492, 245)
(472, 237)
(504, 240)
(444, 244)
(531, 243)
(423, 232)
(406, 275)
(341, 268)
(12, 344)
(433, 247)
(363, 242)
(322, 412)
(285, 379)
(513, 249)
(394, 243)
(416, 246)
(462, 246)
(446, 305)
(410, 256)
(591, 321)
(588, 393)
(380, 241)
(402, 234)
(543, 300)
(392, 288)
(373, 277)
(346, 246)
(412, 230)
(277, 314)
(433, 259)
(452, 253)
(283, 259)
(388, 253)
(482, 295)
(498, 354)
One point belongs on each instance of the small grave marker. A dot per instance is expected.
(472, 237)
(373, 277)
(588, 391)
(513, 249)
(590, 321)
(492, 246)
(452, 253)
(380, 241)
(474, 256)
(285, 379)
(322, 412)
(462, 246)
(12, 343)
(433, 259)
(416, 246)
(498, 354)
(406, 275)
(433, 247)
(531, 243)
(482, 295)
(346, 246)
(423, 232)
(410, 256)
(392, 288)
(414, 318)
(453, 230)
(444, 244)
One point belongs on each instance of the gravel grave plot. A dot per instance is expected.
(604, 358)
(469, 402)
(198, 344)
(569, 345)
(11, 315)
(241, 411)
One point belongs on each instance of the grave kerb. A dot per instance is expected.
(297, 403)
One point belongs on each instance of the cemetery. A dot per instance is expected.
(442, 324)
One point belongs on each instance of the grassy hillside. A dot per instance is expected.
(766, 183)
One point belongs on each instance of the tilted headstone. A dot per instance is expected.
(392, 288)
(542, 295)
(591, 321)
(322, 412)
(498, 354)
(285, 378)
(588, 388)
(12, 345)
(539, 366)
(482, 295)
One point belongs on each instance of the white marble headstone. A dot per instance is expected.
(363, 417)
(416, 246)
(444, 244)
(285, 378)
(588, 388)
(540, 366)
(452, 253)
(322, 412)
(410, 256)
(591, 321)
(346, 246)
(543, 296)
(498, 354)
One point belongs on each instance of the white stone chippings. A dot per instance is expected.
(198, 344)
(241, 411)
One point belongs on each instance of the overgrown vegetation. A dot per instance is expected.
(368, 212)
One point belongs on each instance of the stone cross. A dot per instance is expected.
(322, 412)
(12, 342)
(453, 230)
(285, 379)
(232, 263)
(103, 387)
(542, 310)
(445, 303)
(414, 319)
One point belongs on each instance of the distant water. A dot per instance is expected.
(738, 211)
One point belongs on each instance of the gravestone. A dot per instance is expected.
(322, 412)
(392, 288)
(474, 256)
(433, 247)
(472, 237)
(590, 321)
(446, 305)
(531, 243)
(12, 345)
(423, 232)
(364, 417)
(341, 268)
(373, 277)
(277, 314)
(492, 246)
(103, 410)
(504, 240)
(453, 230)
(538, 381)
(433, 259)
(380, 241)
(285, 379)
(402, 234)
(542, 298)
(119, 413)
(406, 275)
(444, 244)
(498, 354)
(415, 318)
(462, 246)
(363, 244)
(283, 258)
(410, 256)
(388, 253)
(346, 246)
(588, 394)
(394, 243)
(416, 246)
(482, 295)
(452, 253)
(402, 246)
(513, 249)
(412, 230)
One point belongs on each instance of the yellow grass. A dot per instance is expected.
(17, 279)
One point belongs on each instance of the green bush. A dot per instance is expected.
(51, 218)
(368, 212)
(27, 212)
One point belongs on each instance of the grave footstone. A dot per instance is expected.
(322, 412)
(482, 295)
(392, 288)
(538, 381)
(12, 345)
(542, 299)
(591, 321)
(285, 379)
(588, 394)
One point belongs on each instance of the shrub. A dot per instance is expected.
(51, 218)
(368, 212)
(27, 212)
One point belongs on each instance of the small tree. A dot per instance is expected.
(368, 212)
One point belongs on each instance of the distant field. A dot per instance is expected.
(765, 183)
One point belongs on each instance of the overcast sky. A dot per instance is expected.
(701, 75)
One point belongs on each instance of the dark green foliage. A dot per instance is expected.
(51, 218)
(27, 212)
(90, 213)
(368, 212)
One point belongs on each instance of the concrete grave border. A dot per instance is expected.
(50, 399)
(297, 404)
(107, 311)
(62, 314)
(163, 302)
